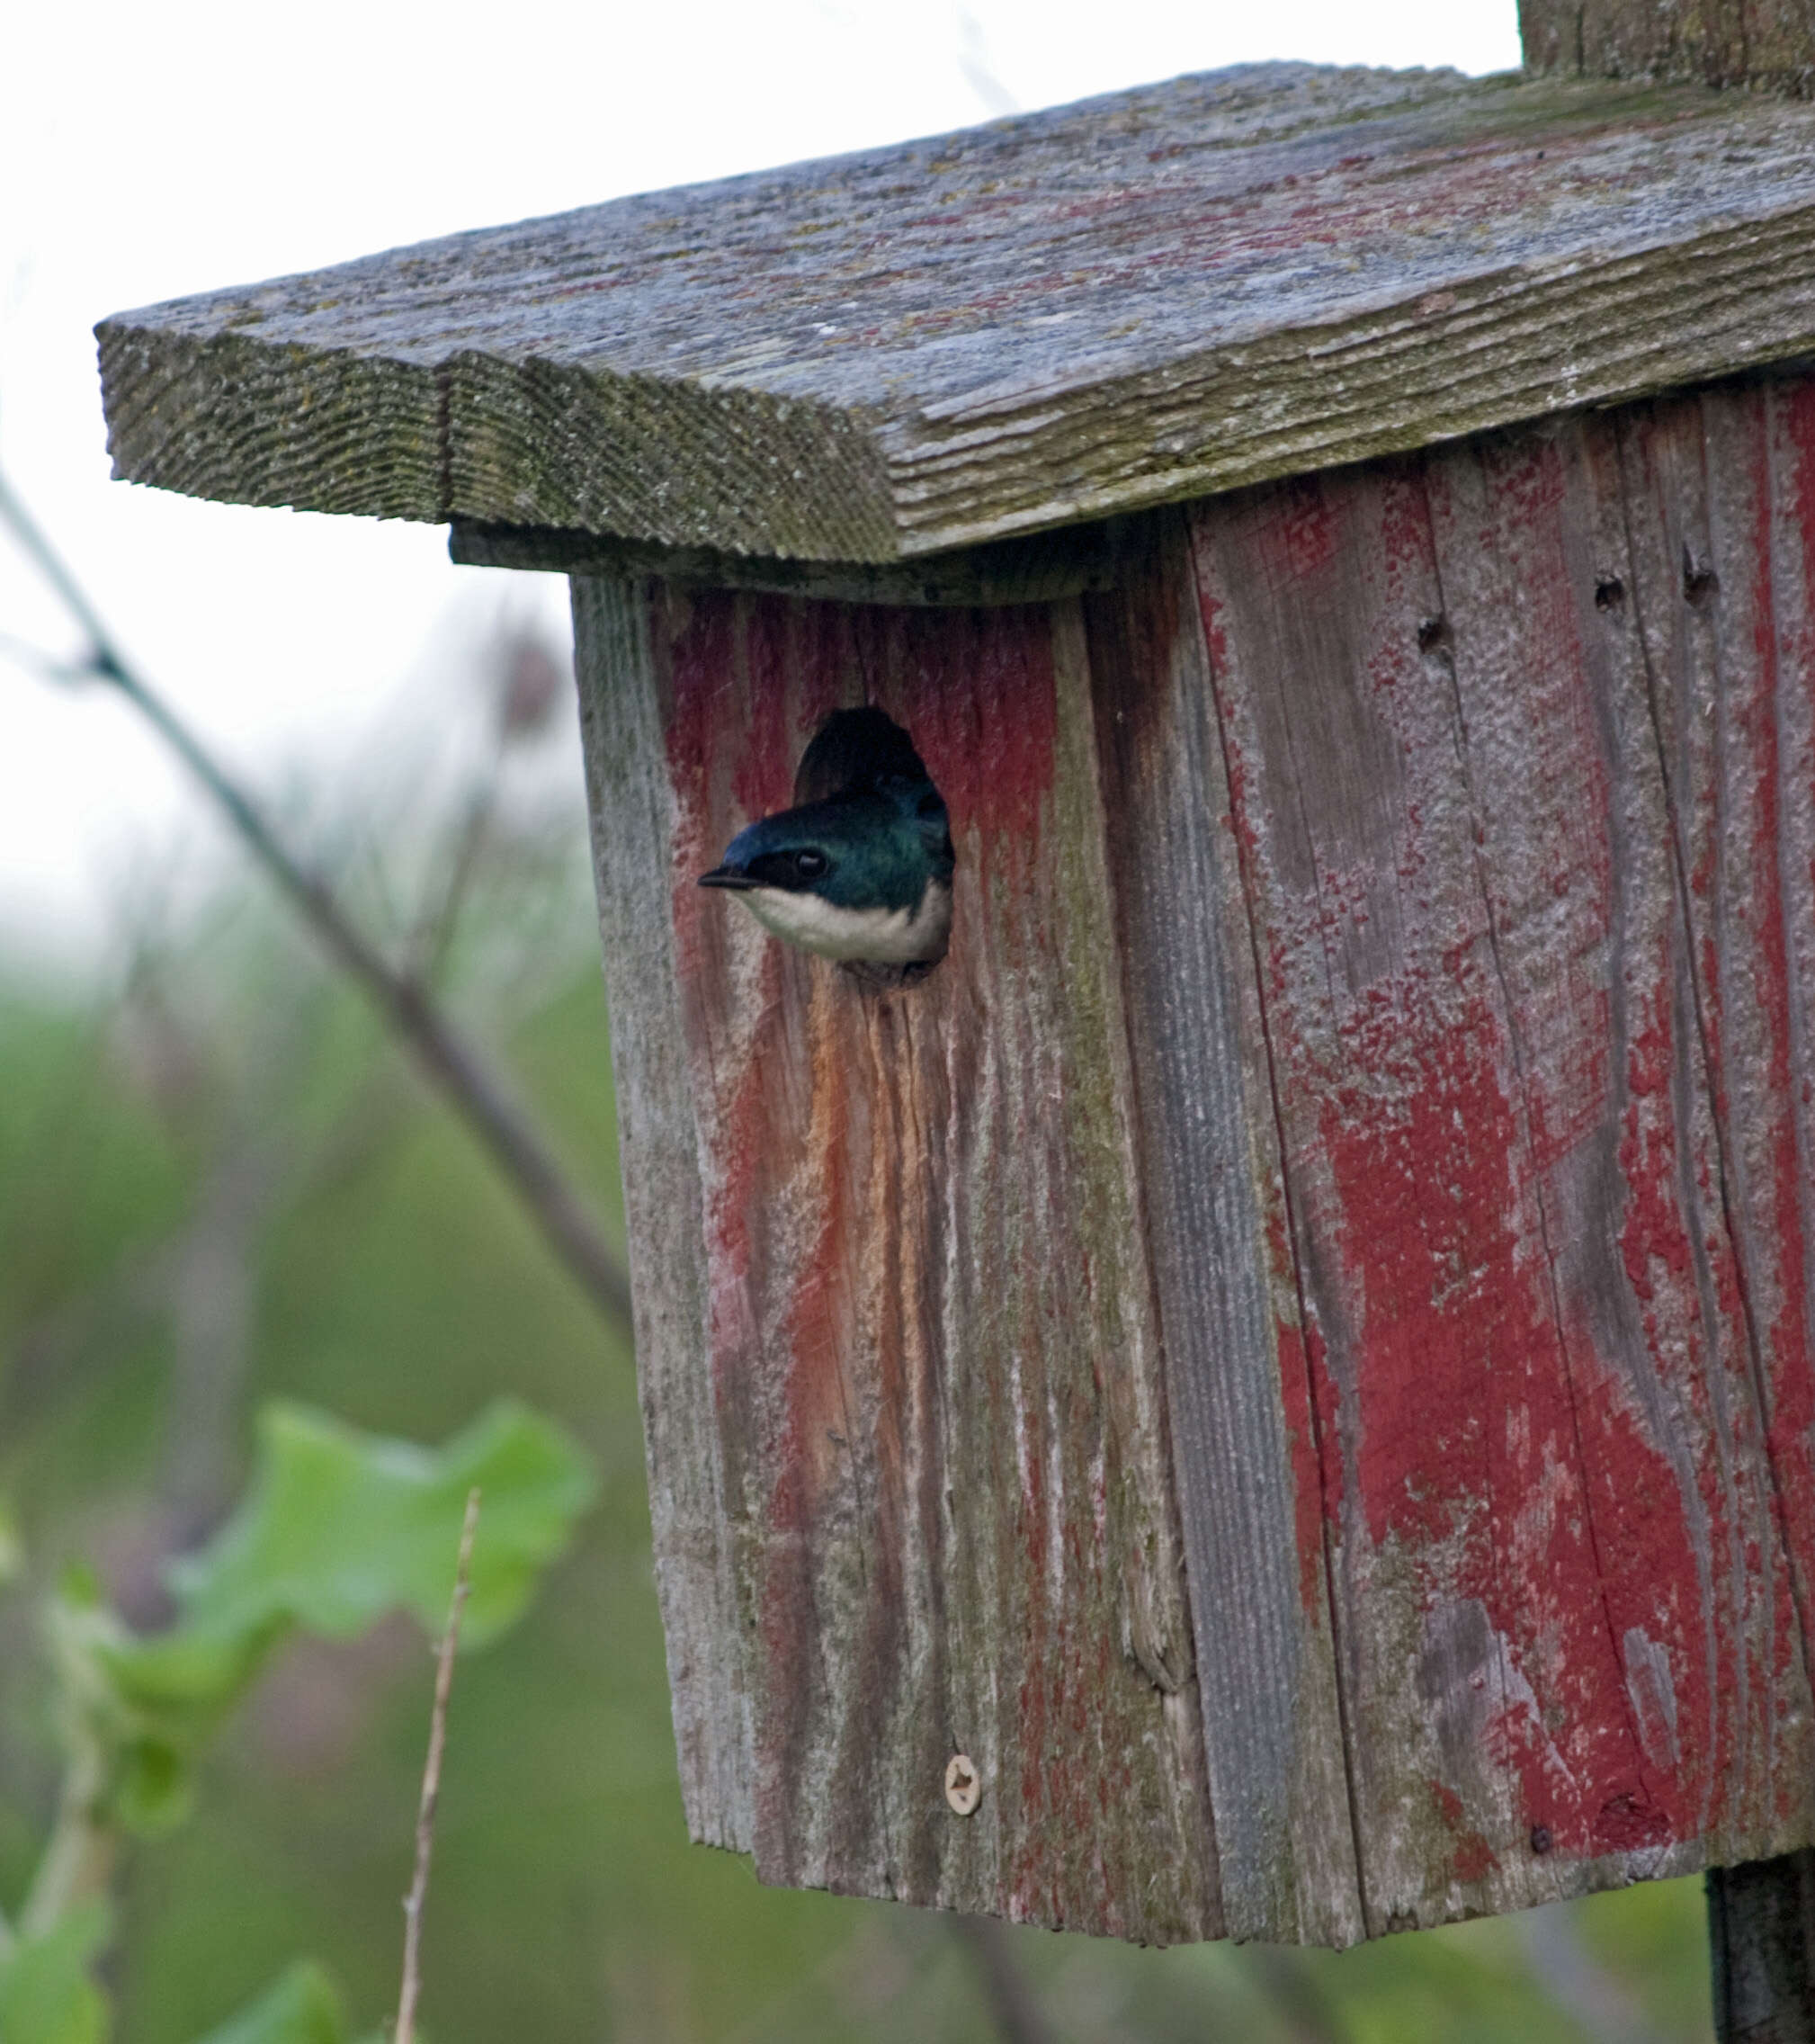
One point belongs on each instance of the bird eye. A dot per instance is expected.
(932, 803)
(809, 864)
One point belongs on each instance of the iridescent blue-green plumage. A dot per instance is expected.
(862, 875)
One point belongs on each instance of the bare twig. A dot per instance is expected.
(459, 1072)
(431, 1782)
(28, 655)
(78, 1859)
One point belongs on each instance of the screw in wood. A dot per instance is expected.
(964, 1784)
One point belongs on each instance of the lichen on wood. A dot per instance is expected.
(920, 1428)
(1292, 1351)
(1565, 1430)
(1050, 319)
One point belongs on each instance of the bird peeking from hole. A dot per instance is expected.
(860, 869)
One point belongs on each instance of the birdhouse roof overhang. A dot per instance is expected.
(1050, 319)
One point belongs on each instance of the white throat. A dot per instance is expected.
(875, 936)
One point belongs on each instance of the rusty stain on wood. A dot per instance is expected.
(929, 1363)
(1368, 1099)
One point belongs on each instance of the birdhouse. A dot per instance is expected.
(1268, 1392)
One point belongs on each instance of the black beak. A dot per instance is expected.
(726, 876)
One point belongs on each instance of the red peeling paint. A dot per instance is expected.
(1451, 1306)
(1300, 537)
(1471, 1859)
(1436, 1109)
(843, 1140)
(1510, 1318)
(984, 717)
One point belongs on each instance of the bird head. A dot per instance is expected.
(862, 875)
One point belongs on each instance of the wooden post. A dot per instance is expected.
(1767, 44)
(1273, 1395)
(1761, 1924)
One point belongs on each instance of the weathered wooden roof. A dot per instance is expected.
(1154, 295)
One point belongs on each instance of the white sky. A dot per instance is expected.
(151, 151)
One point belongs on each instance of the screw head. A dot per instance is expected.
(964, 1784)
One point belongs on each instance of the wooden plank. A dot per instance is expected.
(1243, 1431)
(1057, 317)
(1768, 43)
(1589, 900)
(624, 687)
(1064, 562)
(1545, 1462)
(928, 1362)
(1722, 490)
(1395, 1131)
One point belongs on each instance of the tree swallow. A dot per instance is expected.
(860, 869)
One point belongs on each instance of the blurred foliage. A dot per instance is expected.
(218, 1186)
(338, 1529)
(302, 2008)
(46, 1994)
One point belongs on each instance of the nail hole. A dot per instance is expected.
(1542, 1840)
(963, 1784)
(1610, 593)
(1698, 583)
(1433, 633)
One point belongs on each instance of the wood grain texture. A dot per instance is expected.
(1555, 1482)
(1068, 561)
(1051, 318)
(1761, 1935)
(634, 826)
(914, 1337)
(1244, 1452)
(1368, 1101)
(1767, 43)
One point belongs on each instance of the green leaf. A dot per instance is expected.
(174, 1677)
(143, 1707)
(338, 1528)
(155, 1788)
(46, 1996)
(302, 2008)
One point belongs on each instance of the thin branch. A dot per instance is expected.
(78, 1859)
(460, 1073)
(26, 654)
(431, 1782)
(435, 931)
